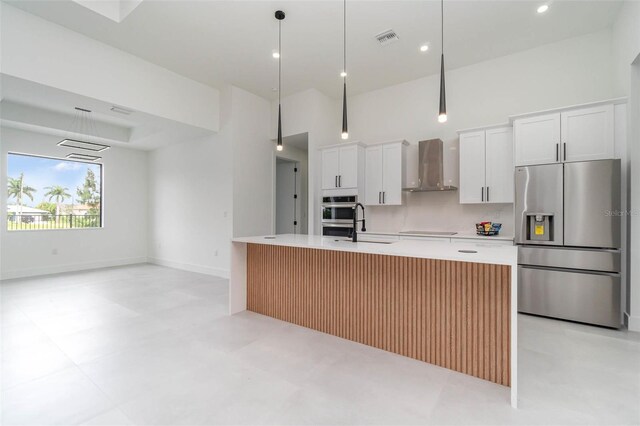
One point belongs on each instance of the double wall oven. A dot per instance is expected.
(337, 215)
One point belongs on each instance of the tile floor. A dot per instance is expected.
(151, 345)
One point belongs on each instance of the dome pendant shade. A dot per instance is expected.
(442, 116)
(345, 129)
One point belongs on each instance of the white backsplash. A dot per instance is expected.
(437, 211)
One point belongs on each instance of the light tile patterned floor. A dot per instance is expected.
(151, 345)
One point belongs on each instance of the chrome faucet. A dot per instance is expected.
(354, 236)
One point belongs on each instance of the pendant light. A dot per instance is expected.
(345, 130)
(279, 17)
(442, 115)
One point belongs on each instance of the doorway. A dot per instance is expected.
(291, 186)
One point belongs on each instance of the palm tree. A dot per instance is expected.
(17, 189)
(58, 193)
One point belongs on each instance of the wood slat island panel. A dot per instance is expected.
(449, 313)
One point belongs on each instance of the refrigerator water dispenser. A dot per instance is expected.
(539, 227)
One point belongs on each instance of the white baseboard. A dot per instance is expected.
(218, 272)
(57, 269)
(632, 322)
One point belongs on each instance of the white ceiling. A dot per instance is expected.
(30, 106)
(219, 42)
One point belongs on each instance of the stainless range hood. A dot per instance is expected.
(431, 167)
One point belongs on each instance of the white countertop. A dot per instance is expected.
(485, 253)
(469, 235)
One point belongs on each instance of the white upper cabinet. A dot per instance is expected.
(348, 170)
(579, 134)
(342, 167)
(373, 175)
(587, 134)
(384, 173)
(537, 139)
(486, 166)
(392, 173)
(472, 167)
(499, 165)
(330, 168)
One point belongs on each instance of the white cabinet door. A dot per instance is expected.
(472, 167)
(499, 165)
(373, 175)
(330, 168)
(348, 172)
(537, 140)
(392, 174)
(587, 134)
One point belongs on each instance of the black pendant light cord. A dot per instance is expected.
(442, 26)
(279, 60)
(345, 131)
(344, 38)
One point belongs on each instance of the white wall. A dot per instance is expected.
(37, 50)
(253, 165)
(626, 61)
(122, 240)
(203, 192)
(190, 208)
(570, 72)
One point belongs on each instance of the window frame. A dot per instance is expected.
(51, 157)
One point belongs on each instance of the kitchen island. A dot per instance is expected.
(452, 305)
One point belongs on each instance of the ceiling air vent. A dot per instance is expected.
(387, 37)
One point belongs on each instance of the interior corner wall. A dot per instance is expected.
(122, 240)
(37, 50)
(190, 201)
(204, 192)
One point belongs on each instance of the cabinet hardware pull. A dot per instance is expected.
(340, 181)
(379, 197)
(487, 194)
(482, 193)
(557, 152)
(384, 194)
(335, 181)
(565, 151)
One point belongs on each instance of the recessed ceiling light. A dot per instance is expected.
(543, 8)
(343, 74)
(275, 54)
(120, 110)
(424, 47)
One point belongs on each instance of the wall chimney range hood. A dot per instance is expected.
(431, 168)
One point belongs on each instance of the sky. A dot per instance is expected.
(40, 172)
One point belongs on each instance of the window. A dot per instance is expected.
(51, 193)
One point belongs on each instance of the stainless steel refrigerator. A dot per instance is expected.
(568, 231)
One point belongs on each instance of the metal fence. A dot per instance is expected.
(28, 222)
